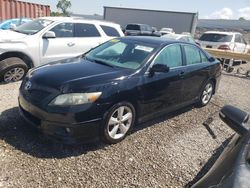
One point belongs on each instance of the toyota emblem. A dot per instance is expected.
(27, 85)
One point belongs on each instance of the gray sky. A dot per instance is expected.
(225, 9)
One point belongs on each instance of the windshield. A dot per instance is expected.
(121, 53)
(212, 37)
(33, 27)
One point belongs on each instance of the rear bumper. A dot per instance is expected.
(68, 133)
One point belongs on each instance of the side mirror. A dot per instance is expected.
(49, 35)
(12, 26)
(235, 119)
(211, 59)
(158, 68)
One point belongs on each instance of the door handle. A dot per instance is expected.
(70, 44)
(181, 74)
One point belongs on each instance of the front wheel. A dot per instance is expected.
(12, 69)
(118, 122)
(206, 94)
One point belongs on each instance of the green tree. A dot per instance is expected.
(55, 14)
(64, 5)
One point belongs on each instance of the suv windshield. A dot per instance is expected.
(212, 37)
(133, 27)
(33, 27)
(121, 53)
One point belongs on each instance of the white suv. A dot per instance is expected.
(49, 39)
(223, 40)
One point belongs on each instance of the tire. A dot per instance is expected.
(206, 94)
(12, 69)
(113, 129)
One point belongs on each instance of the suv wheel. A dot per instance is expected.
(12, 69)
(118, 122)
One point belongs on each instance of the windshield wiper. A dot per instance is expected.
(98, 61)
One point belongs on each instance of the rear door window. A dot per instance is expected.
(203, 57)
(193, 55)
(110, 31)
(86, 30)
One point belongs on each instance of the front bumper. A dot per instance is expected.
(59, 130)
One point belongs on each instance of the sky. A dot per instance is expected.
(210, 9)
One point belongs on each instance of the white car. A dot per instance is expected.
(166, 31)
(49, 39)
(231, 41)
(180, 37)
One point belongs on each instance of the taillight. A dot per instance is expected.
(224, 47)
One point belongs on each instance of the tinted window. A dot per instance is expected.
(170, 56)
(64, 30)
(192, 55)
(133, 27)
(110, 31)
(86, 30)
(216, 37)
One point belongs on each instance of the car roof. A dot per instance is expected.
(174, 35)
(221, 32)
(136, 24)
(76, 19)
(153, 40)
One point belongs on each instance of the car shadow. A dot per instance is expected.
(210, 162)
(15, 131)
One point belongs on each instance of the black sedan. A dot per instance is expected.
(103, 93)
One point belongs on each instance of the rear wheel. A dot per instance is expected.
(206, 94)
(118, 122)
(12, 69)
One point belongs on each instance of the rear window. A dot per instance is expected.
(216, 37)
(133, 27)
(110, 31)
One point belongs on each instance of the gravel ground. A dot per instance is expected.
(171, 151)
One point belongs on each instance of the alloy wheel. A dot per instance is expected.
(14, 74)
(120, 122)
(207, 93)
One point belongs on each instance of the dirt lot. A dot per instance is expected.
(170, 151)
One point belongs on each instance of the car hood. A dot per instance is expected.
(9, 35)
(76, 73)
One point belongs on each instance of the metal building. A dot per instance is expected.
(179, 21)
(17, 9)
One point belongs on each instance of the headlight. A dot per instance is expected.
(75, 99)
